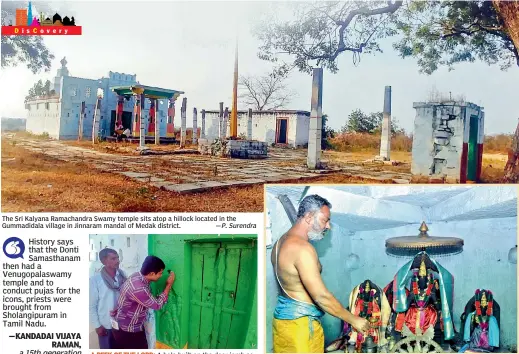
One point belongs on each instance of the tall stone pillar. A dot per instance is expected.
(183, 123)
(249, 125)
(170, 126)
(156, 121)
(195, 127)
(385, 138)
(81, 121)
(233, 127)
(202, 133)
(97, 118)
(225, 122)
(220, 122)
(142, 125)
(314, 136)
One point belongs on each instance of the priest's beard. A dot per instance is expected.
(316, 233)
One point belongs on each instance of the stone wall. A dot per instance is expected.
(439, 133)
(43, 116)
(244, 149)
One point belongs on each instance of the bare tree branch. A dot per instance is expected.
(266, 92)
(390, 8)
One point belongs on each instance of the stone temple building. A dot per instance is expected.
(58, 114)
(284, 127)
(448, 140)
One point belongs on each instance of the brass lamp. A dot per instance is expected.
(409, 246)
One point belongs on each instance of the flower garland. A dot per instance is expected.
(490, 304)
(365, 302)
(417, 293)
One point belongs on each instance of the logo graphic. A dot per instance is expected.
(14, 247)
(27, 24)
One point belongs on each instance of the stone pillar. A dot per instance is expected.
(157, 122)
(119, 111)
(136, 116)
(81, 121)
(314, 136)
(233, 127)
(183, 123)
(225, 122)
(170, 126)
(97, 116)
(220, 122)
(202, 133)
(142, 126)
(385, 138)
(195, 127)
(249, 125)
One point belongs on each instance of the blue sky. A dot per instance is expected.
(190, 47)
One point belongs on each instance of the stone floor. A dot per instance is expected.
(196, 173)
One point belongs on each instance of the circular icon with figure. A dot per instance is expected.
(14, 247)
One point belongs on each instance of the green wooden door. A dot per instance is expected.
(472, 163)
(223, 281)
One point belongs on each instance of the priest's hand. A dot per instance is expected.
(360, 324)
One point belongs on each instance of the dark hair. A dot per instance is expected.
(152, 264)
(105, 252)
(311, 204)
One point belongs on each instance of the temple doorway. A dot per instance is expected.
(127, 121)
(282, 131)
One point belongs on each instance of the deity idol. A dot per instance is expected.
(480, 322)
(422, 301)
(367, 300)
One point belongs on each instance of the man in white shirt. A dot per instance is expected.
(104, 291)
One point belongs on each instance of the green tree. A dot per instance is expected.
(327, 133)
(450, 32)
(434, 32)
(360, 122)
(28, 50)
(39, 89)
(320, 31)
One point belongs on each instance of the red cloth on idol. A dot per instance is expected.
(430, 317)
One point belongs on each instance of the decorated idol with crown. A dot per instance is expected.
(480, 323)
(421, 294)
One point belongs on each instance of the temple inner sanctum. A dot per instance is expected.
(432, 269)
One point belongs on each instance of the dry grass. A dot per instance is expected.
(352, 142)
(498, 143)
(493, 168)
(33, 182)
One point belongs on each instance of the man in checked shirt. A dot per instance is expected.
(135, 300)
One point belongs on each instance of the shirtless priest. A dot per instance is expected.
(304, 298)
